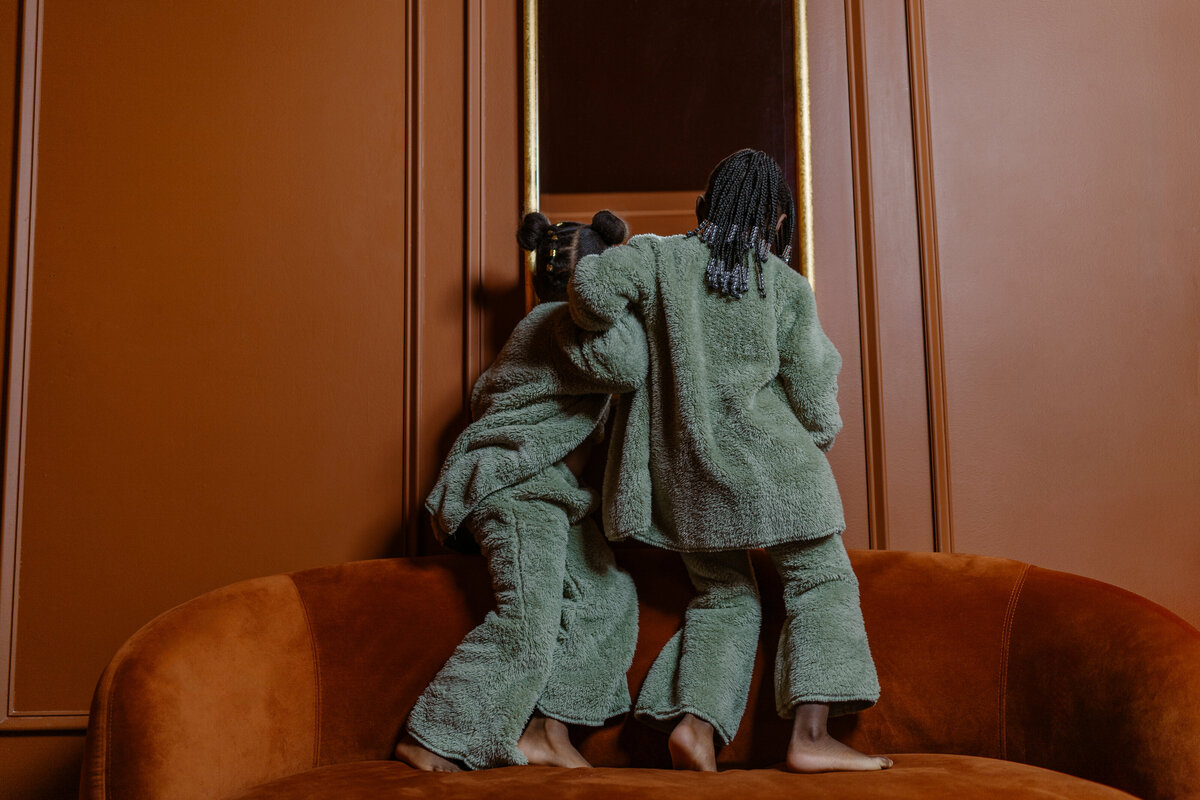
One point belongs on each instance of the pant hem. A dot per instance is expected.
(469, 763)
(659, 719)
(839, 704)
(590, 722)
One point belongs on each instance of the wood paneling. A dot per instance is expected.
(40, 766)
(249, 308)
(931, 286)
(471, 292)
(834, 241)
(664, 213)
(214, 377)
(905, 437)
(1066, 165)
(274, 248)
(435, 333)
(868, 289)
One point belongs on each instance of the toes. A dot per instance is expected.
(884, 762)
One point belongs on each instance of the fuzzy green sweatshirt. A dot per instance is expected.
(545, 393)
(724, 446)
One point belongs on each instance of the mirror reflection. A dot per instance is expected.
(639, 99)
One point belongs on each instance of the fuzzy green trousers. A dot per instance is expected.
(823, 656)
(559, 641)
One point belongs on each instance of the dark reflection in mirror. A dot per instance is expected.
(639, 99)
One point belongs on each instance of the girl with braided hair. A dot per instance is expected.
(722, 450)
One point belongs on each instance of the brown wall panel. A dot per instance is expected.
(664, 213)
(470, 266)
(215, 346)
(439, 216)
(906, 432)
(1066, 167)
(10, 54)
(500, 296)
(834, 264)
(40, 766)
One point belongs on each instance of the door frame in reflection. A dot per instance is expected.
(531, 179)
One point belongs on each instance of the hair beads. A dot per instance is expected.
(746, 194)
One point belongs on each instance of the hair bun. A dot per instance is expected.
(612, 229)
(533, 227)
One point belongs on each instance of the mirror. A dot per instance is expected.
(630, 103)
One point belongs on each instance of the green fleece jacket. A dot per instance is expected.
(545, 393)
(724, 446)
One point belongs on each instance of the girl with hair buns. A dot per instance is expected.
(723, 449)
(557, 646)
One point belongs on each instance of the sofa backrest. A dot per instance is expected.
(978, 656)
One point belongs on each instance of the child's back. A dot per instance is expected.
(741, 401)
(721, 450)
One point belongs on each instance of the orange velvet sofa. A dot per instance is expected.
(1000, 680)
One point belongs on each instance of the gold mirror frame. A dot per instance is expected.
(804, 204)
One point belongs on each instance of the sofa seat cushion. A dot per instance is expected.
(916, 776)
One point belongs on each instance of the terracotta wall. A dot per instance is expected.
(239, 328)
(1025, 179)
(272, 246)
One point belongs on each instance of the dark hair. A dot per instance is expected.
(746, 193)
(559, 247)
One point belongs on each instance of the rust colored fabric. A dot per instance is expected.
(980, 657)
(1103, 684)
(914, 777)
(383, 630)
(213, 696)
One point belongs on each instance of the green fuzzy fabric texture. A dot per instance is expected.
(545, 393)
(822, 656)
(723, 447)
(560, 639)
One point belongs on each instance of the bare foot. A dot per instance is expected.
(411, 752)
(547, 743)
(812, 749)
(691, 745)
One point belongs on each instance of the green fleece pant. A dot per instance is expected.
(822, 657)
(559, 641)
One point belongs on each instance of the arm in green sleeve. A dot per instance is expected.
(808, 363)
(605, 286)
(614, 361)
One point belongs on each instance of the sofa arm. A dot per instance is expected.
(1103, 684)
(214, 696)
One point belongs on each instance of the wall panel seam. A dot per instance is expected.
(931, 294)
(868, 303)
(18, 353)
(411, 300)
(473, 192)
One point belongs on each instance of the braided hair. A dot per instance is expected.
(746, 193)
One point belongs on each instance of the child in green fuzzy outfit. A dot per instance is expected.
(557, 646)
(723, 449)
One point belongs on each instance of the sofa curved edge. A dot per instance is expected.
(151, 708)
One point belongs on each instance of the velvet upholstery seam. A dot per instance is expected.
(1005, 650)
(316, 659)
(105, 778)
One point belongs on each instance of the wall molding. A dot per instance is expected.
(931, 291)
(868, 297)
(24, 212)
(411, 307)
(475, 180)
